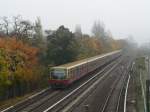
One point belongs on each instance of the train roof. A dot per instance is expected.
(80, 62)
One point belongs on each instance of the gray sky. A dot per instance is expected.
(121, 17)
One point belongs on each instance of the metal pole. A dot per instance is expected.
(148, 69)
(147, 88)
(147, 94)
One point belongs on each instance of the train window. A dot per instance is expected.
(56, 74)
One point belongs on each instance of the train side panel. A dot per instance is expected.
(76, 72)
(82, 70)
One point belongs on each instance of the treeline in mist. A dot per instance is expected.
(26, 51)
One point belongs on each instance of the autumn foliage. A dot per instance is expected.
(89, 47)
(18, 64)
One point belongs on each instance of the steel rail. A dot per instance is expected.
(126, 92)
(23, 102)
(112, 90)
(109, 95)
(128, 72)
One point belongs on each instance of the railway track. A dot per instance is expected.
(114, 99)
(45, 100)
(74, 96)
(103, 103)
(22, 104)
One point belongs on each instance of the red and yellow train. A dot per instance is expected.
(64, 75)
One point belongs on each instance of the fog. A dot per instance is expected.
(121, 17)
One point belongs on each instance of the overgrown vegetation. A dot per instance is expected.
(26, 50)
(140, 75)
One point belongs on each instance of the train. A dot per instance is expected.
(64, 75)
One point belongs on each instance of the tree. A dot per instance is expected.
(26, 29)
(78, 31)
(38, 30)
(5, 26)
(16, 27)
(18, 66)
(39, 40)
(89, 47)
(61, 47)
(98, 30)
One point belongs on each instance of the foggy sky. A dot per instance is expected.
(121, 17)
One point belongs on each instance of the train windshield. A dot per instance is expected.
(58, 74)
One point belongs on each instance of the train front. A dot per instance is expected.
(58, 77)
